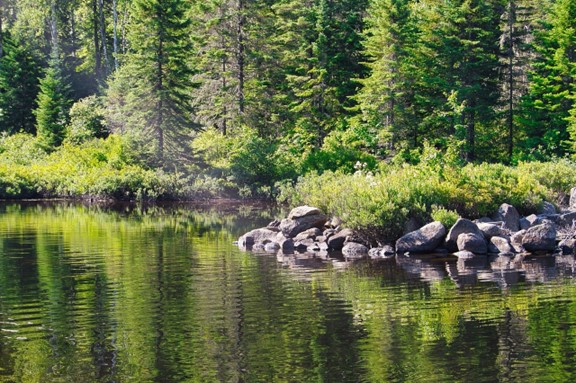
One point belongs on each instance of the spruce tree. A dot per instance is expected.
(19, 72)
(546, 107)
(53, 105)
(159, 57)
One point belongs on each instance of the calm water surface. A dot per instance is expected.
(133, 294)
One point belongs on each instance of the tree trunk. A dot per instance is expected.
(115, 37)
(240, 55)
(510, 79)
(95, 36)
(1, 33)
(470, 134)
(160, 104)
(103, 35)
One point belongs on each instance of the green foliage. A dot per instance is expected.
(86, 120)
(19, 72)
(380, 205)
(447, 217)
(53, 105)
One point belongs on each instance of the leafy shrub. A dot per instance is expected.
(447, 217)
(87, 120)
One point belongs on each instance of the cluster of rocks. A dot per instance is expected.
(307, 229)
(507, 234)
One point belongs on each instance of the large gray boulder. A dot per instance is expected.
(462, 226)
(547, 208)
(490, 229)
(529, 221)
(500, 245)
(572, 204)
(423, 240)
(472, 242)
(510, 216)
(516, 241)
(540, 238)
(257, 237)
(310, 233)
(300, 219)
(336, 241)
(303, 211)
(354, 250)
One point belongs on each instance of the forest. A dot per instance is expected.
(147, 99)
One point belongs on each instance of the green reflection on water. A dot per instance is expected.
(150, 294)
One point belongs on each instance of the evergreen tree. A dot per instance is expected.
(546, 107)
(159, 57)
(19, 72)
(463, 70)
(53, 105)
(386, 99)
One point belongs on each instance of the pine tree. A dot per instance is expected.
(53, 105)
(18, 87)
(387, 97)
(159, 57)
(546, 107)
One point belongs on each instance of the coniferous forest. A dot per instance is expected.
(179, 98)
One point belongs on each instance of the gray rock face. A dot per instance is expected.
(490, 230)
(540, 238)
(567, 219)
(472, 242)
(262, 234)
(310, 233)
(425, 239)
(304, 211)
(529, 221)
(547, 208)
(500, 245)
(516, 241)
(354, 250)
(510, 216)
(567, 246)
(336, 241)
(381, 252)
(291, 227)
(271, 247)
(573, 198)
(461, 226)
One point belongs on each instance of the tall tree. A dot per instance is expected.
(546, 106)
(54, 97)
(386, 99)
(159, 56)
(19, 72)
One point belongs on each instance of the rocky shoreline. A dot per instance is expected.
(306, 229)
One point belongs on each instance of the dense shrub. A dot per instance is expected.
(380, 204)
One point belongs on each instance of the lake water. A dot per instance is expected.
(160, 294)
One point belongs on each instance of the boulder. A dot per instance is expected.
(547, 208)
(472, 242)
(510, 216)
(529, 221)
(310, 233)
(567, 219)
(336, 241)
(567, 246)
(381, 252)
(354, 250)
(304, 211)
(500, 245)
(287, 246)
(274, 225)
(291, 227)
(246, 242)
(516, 241)
(271, 247)
(540, 238)
(260, 235)
(490, 229)
(461, 226)
(423, 240)
(572, 204)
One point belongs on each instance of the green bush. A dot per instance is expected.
(380, 204)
